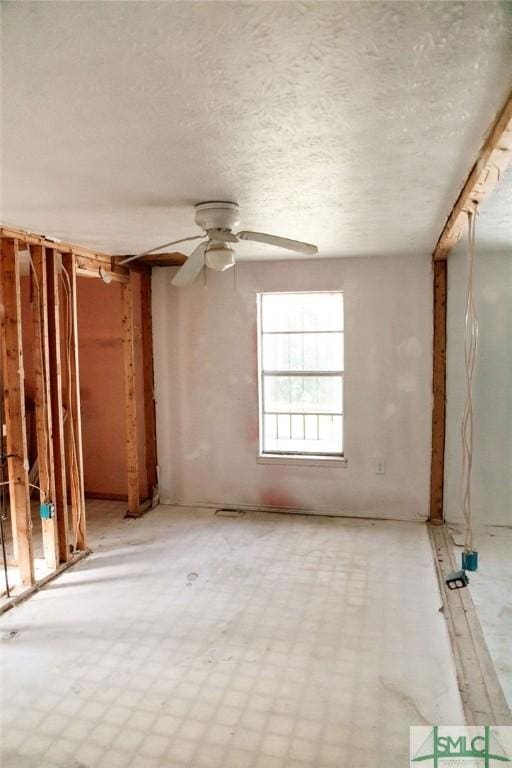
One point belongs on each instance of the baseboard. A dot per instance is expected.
(106, 496)
(292, 511)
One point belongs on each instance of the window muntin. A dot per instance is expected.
(301, 373)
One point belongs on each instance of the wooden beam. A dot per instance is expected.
(159, 259)
(59, 450)
(127, 290)
(440, 268)
(149, 389)
(491, 163)
(89, 266)
(74, 420)
(81, 272)
(42, 402)
(14, 398)
(31, 238)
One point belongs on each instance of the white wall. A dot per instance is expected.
(207, 399)
(492, 391)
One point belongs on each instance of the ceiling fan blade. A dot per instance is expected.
(222, 236)
(192, 267)
(281, 242)
(159, 248)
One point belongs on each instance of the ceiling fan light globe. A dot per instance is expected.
(220, 257)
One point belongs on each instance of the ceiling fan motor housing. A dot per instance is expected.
(217, 215)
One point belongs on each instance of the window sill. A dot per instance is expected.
(302, 461)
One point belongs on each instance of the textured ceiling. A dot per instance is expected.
(352, 125)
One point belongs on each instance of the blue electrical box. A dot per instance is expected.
(47, 510)
(470, 560)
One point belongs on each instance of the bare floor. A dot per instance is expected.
(263, 641)
(490, 588)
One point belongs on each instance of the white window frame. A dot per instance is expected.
(292, 457)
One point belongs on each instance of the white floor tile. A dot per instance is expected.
(195, 641)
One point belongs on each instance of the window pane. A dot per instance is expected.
(302, 394)
(270, 426)
(310, 444)
(298, 426)
(283, 426)
(302, 311)
(302, 338)
(302, 352)
(311, 427)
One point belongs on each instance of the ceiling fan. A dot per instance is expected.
(218, 219)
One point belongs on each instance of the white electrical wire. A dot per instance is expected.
(30, 485)
(470, 347)
(66, 282)
(44, 392)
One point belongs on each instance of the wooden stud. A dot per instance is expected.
(491, 163)
(149, 389)
(439, 393)
(74, 420)
(42, 403)
(59, 451)
(130, 403)
(14, 398)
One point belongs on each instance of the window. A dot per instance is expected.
(301, 373)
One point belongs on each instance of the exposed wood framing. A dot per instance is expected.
(491, 163)
(127, 290)
(148, 376)
(85, 272)
(53, 276)
(14, 399)
(55, 354)
(42, 404)
(31, 238)
(74, 420)
(440, 269)
(159, 260)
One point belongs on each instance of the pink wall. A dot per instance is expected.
(102, 387)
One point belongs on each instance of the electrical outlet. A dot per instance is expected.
(380, 467)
